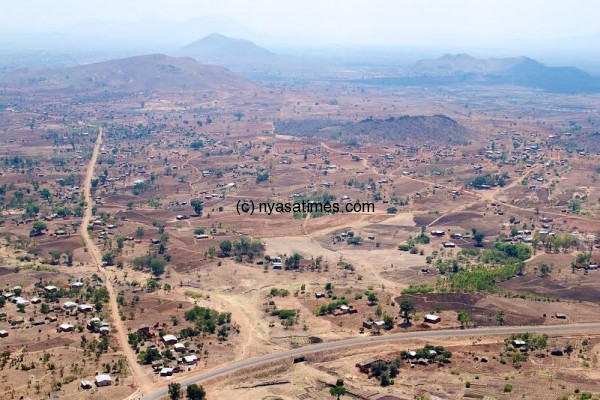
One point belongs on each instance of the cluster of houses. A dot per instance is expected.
(171, 341)
(373, 324)
(523, 346)
(95, 325)
(441, 233)
(100, 380)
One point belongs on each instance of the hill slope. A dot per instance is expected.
(436, 128)
(215, 48)
(155, 73)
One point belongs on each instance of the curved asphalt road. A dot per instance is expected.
(367, 340)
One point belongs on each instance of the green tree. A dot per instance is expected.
(38, 228)
(195, 392)
(225, 247)
(211, 252)
(139, 232)
(569, 349)
(149, 356)
(197, 205)
(545, 269)
(45, 193)
(388, 321)
(338, 390)
(293, 262)
(372, 298)
(174, 391)
(69, 256)
(108, 258)
(500, 317)
(157, 266)
(407, 306)
(464, 318)
(478, 236)
(55, 256)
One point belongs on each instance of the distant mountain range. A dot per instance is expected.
(216, 48)
(155, 72)
(520, 71)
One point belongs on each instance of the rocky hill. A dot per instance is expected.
(420, 128)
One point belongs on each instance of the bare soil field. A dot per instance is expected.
(506, 213)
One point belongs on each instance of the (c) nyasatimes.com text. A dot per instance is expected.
(250, 207)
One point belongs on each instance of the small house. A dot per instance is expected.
(344, 308)
(65, 328)
(144, 330)
(518, 343)
(103, 380)
(365, 366)
(85, 384)
(3, 333)
(169, 339)
(69, 305)
(93, 324)
(557, 351)
(449, 244)
(85, 308)
(166, 371)
(179, 347)
(319, 295)
(191, 359)
(22, 302)
(433, 319)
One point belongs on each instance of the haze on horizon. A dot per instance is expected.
(502, 24)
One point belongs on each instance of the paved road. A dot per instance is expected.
(579, 329)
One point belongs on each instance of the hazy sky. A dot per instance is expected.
(384, 22)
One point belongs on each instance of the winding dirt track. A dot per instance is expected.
(143, 382)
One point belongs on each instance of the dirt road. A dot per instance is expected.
(142, 380)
